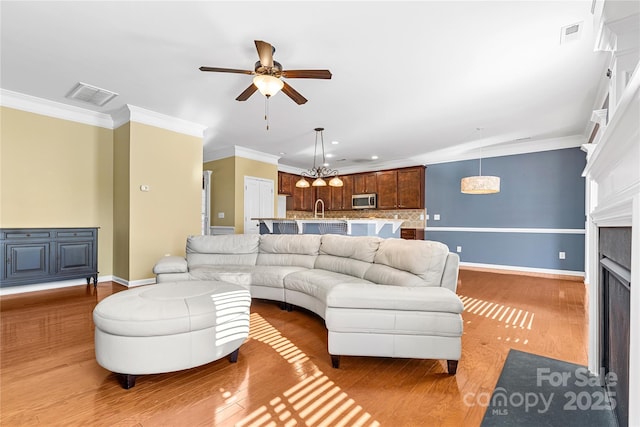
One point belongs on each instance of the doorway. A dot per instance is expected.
(258, 202)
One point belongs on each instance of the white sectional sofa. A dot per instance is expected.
(378, 297)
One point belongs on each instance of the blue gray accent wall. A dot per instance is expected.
(538, 213)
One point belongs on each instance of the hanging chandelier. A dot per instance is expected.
(319, 173)
(480, 184)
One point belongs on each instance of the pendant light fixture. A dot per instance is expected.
(480, 184)
(319, 173)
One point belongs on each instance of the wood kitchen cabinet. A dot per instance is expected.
(364, 183)
(337, 199)
(324, 193)
(411, 188)
(302, 199)
(286, 182)
(347, 191)
(396, 189)
(387, 183)
(412, 233)
(401, 188)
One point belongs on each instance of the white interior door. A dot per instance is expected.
(258, 202)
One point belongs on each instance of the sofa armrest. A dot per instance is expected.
(386, 297)
(170, 264)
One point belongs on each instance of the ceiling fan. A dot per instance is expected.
(268, 75)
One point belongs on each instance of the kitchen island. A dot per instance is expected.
(353, 227)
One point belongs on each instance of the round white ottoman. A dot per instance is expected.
(169, 327)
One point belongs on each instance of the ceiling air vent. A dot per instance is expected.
(91, 94)
(570, 32)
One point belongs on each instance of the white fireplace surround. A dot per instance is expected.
(613, 194)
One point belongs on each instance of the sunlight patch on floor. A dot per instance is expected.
(517, 320)
(314, 401)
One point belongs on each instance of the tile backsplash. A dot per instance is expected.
(411, 217)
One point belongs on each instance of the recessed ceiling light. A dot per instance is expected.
(329, 155)
(374, 157)
(335, 142)
(282, 153)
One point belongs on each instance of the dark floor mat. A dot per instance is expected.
(538, 391)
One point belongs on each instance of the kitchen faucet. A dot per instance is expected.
(315, 209)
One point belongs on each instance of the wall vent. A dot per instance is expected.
(570, 33)
(91, 94)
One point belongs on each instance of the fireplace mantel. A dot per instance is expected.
(613, 200)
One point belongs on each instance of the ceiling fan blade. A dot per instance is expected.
(265, 52)
(306, 74)
(226, 70)
(247, 93)
(293, 94)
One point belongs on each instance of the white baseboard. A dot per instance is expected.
(524, 270)
(10, 290)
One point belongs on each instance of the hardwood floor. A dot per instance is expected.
(283, 377)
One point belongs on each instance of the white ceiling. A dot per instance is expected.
(412, 81)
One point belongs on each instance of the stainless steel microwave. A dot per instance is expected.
(364, 201)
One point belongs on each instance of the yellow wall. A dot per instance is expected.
(57, 173)
(256, 169)
(222, 190)
(170, 163)
(121, 203)
(227, 188)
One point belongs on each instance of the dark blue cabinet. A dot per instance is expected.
(37, 255)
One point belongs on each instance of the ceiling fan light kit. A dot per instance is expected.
(319, 173)
(269, 73)
(268, 85)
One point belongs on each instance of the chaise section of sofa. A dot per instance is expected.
(378, 297)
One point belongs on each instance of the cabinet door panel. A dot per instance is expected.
(411, 188)
(387, 182)
(74, 256)
(324, 193)
(337, 199)
(364, 183)
(285, 183)
(347, 191)
(27, 260)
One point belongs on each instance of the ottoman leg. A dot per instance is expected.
(126, 380)
(452, 366)
(233, 357)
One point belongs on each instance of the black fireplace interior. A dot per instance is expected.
(615, 289)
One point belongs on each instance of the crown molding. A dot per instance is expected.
(58, 110)
(151, 118)
(238, 151)
(117, 118)
(509, 149)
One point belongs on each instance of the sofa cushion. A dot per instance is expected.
(170, 264)
(245, 275)
(362, 248)
(352, 267)
(288, 250)
(385, 275)
(317, 282)
(374, 296)
(425, 259)
(230, 249)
